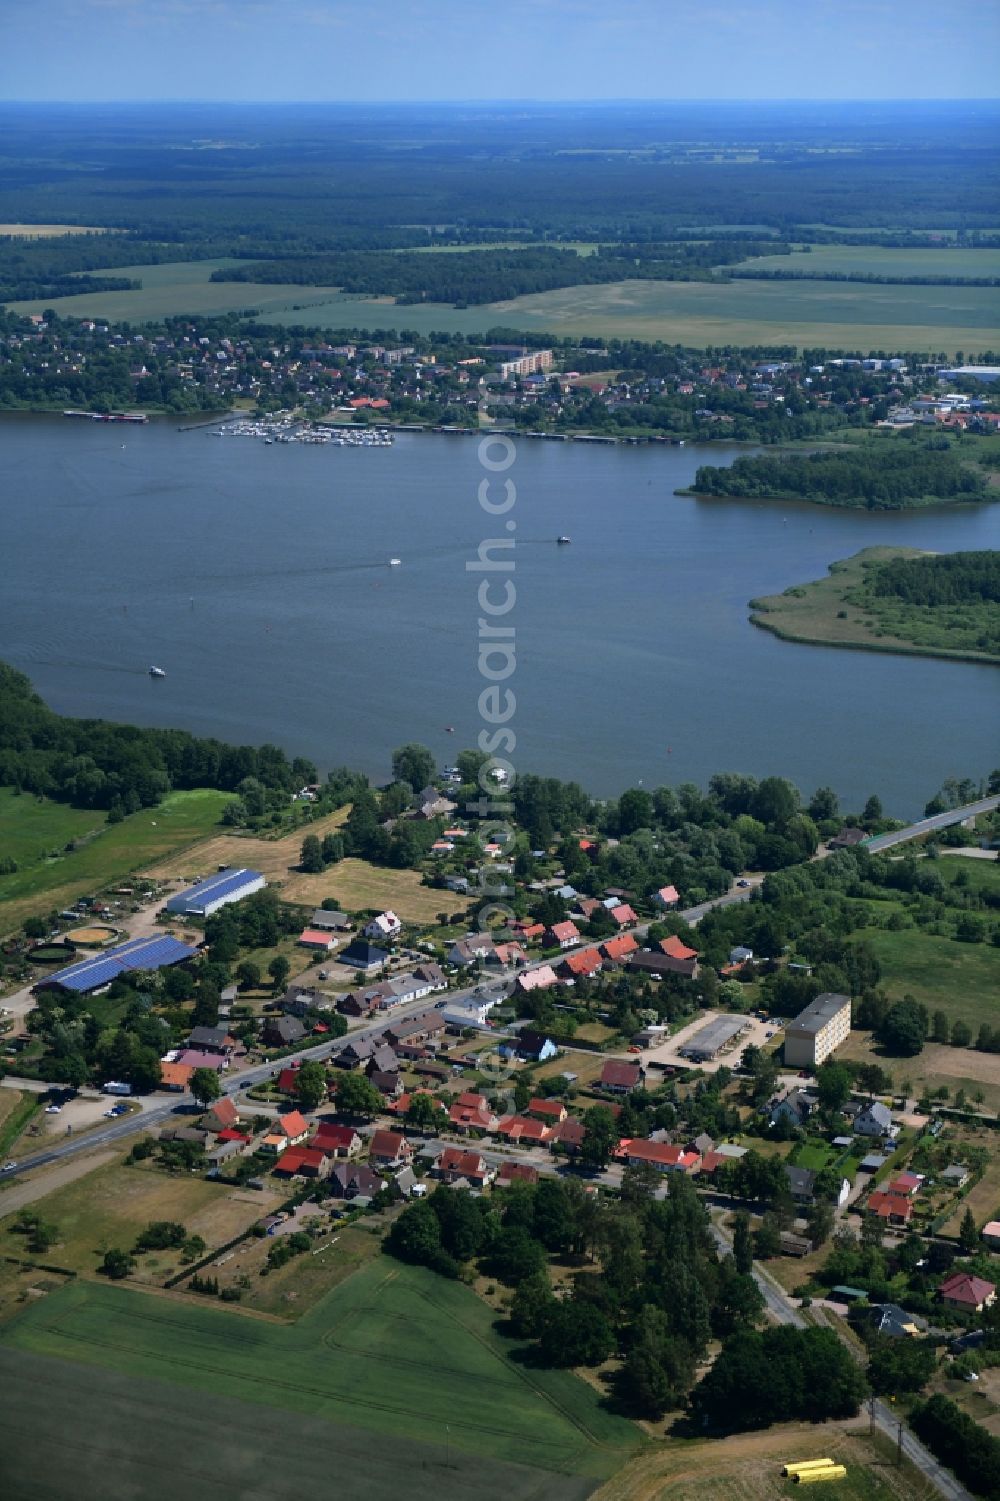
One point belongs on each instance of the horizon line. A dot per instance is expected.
(538, 100)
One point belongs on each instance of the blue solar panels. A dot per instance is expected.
(224, 886)
(138, 953)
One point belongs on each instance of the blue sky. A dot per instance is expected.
(498, 49)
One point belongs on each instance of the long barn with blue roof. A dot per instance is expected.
(227, 885)
(156, 952)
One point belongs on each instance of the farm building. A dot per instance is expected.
(83, 978)
(715, 1035)
(230, 885)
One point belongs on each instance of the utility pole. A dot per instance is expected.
(871, 1416)
(899, 1443)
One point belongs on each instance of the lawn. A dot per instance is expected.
(394, 1350)
(113, 852)
(814, 1155)
(109, 1207)
(960, 979)
(16, 1112)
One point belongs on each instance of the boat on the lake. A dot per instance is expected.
(157, 672)
(564, 541)
(395, 562)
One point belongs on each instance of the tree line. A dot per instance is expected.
(886, 477)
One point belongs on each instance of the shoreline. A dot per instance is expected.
(829, 617)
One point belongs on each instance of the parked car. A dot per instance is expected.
(741, 882)
(8, 1167)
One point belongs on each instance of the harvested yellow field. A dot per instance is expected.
(46, 231)
(356, 884)
(747, 1467)
(277, 859)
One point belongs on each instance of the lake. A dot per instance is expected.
(257, 577)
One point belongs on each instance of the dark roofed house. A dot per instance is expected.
(352, 1180)
(390, 1149)
(283, 1031)
(334, 922)
(848, 838)
(621, 1077)
(533, 1046)
(363, 955)
(211, 1040)
(802, 1182)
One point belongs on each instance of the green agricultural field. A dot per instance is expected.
(399, 1365)
(67, 1430)
(179, 287)
(830, 314)
(113, 852)
(878, 260)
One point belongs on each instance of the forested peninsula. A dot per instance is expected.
(877, 477)
(896, 600)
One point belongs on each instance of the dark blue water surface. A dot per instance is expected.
(257, 577)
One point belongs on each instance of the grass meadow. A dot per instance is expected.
(399, 1363)
(831, 314)
(52, 880)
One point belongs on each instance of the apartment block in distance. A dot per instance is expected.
(816, 1031)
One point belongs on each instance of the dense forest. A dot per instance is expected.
(478, 276)
(886, 477)
(607, 172)
(95, 764)
(955, 578)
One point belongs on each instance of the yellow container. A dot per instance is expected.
(794, 1466)
(827, 1472)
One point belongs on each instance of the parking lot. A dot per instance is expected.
(669, 1055)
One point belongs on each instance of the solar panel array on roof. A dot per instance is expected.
(215, 891)
(155, 952)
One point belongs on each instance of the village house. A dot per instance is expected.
(795, 1107)
(302, 1162)
(211, 1040)
(354, 1180)
(320, 940)
(561, 935)
(620, 1077)
(581, 965)
(222, 1114)
(617, 950)
(283, 1031)
(533, 1047)
(456, 1164)
(336, 1141)
(567, 1136)
(389, 1149)
(473, 947)
(516, 1172)
(384, 927)
(666, 898)
(550, 1111)
(335, 922)
(363, 956)
(875, 1120)
(521, 1129)
(963, 1290)
(664, 1156)
(539, 978)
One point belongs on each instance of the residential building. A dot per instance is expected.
(384, 927)
(336, 922)
(667, 898)
(321, 940)
(818, 1030)
(963, 1290)
(795, 1107)
(354, 1180)
(389, 1149)
(561, 935)
(363, 956)
(664, 1156)
(620, 1077)
(336, 1141)
(211, 1040)
(283, 1031)
(456, 1165)
(875, 1120)
(532, 1046)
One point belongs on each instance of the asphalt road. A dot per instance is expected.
(928, 825)
(882, 1414)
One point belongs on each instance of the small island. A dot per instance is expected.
(895, 599)
(884, 475)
